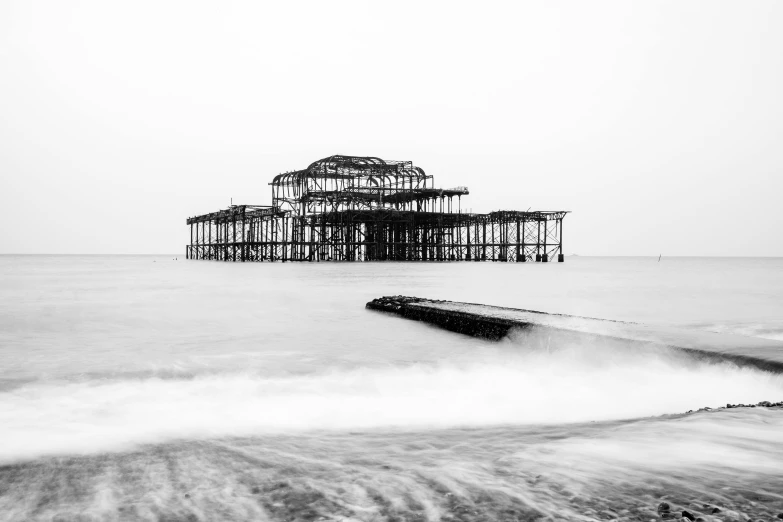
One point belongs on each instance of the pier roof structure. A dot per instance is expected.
(355, 182)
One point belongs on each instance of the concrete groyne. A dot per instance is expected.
(494, 322)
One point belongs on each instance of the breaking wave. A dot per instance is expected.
(526, 379)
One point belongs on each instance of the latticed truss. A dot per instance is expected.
(351, 208)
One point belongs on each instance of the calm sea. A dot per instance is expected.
(149, 388)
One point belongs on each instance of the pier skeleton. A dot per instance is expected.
(348, 208)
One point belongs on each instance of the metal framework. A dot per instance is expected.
(348, 208)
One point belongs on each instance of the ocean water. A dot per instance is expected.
(149, 388)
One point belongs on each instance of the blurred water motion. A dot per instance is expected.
(204, 391)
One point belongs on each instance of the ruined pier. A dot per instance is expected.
(350, 208)
(495, 322)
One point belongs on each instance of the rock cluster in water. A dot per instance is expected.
(762, 404)
(705, 514)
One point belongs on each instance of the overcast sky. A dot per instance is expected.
(658, 124)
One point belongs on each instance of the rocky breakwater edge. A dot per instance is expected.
(764, 507)
(697, 512)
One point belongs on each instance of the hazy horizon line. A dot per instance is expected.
(444, 261)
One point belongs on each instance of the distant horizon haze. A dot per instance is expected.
(181, 256)
(658, 125)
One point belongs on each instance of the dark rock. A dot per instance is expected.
(715, 510)
(663, 507)
(688, 515)
(780, 516)
(187, 495)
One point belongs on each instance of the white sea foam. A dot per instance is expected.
(529, 380)
(588, 471)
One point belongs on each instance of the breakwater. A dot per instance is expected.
(495, 322)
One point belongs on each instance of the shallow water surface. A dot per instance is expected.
(144, 388)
